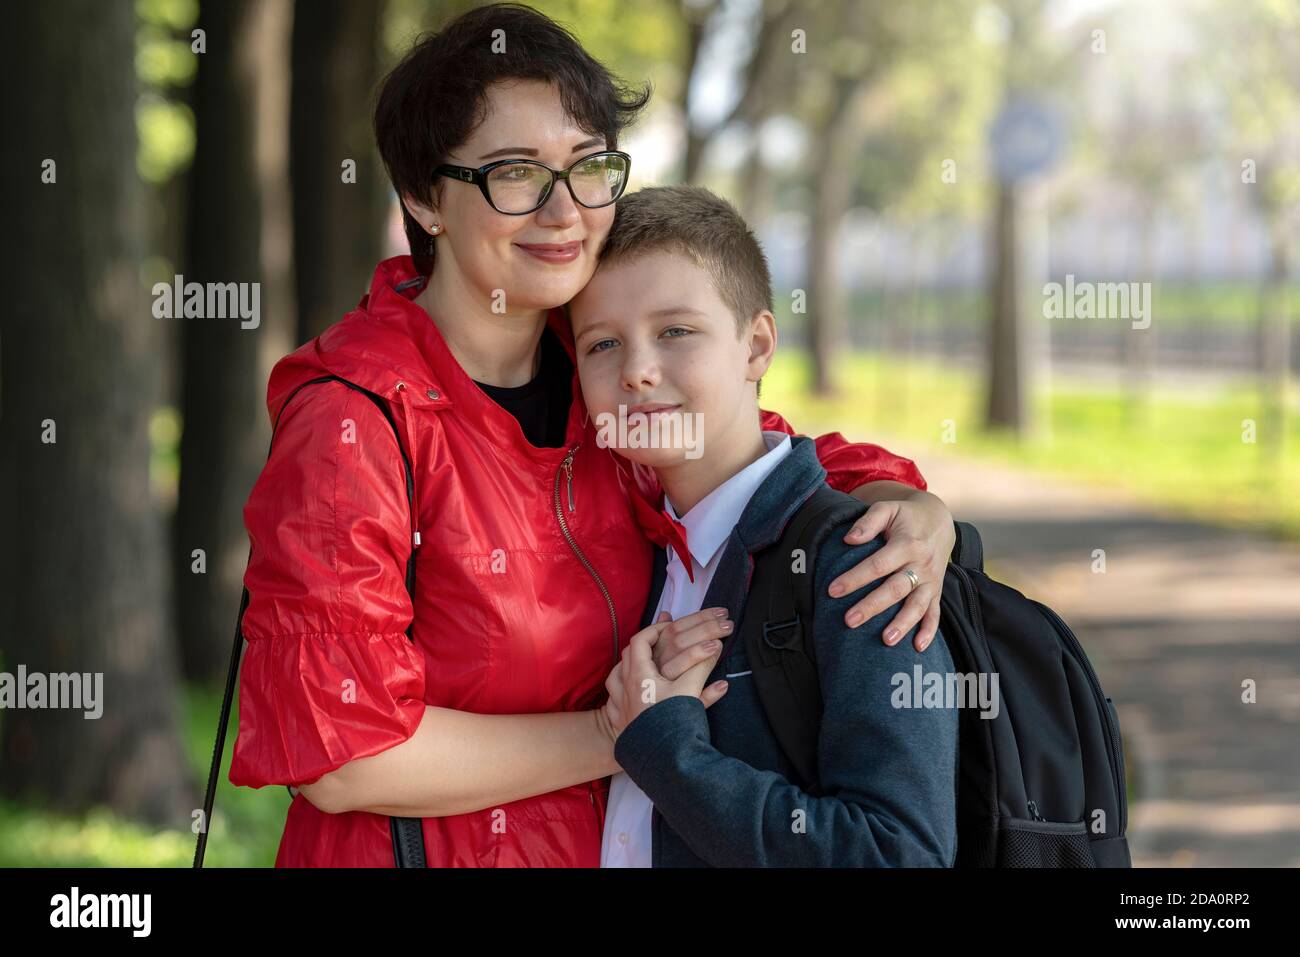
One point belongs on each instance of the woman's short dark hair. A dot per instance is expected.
(435, 98)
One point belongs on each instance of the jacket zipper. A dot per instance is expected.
(568, 471)
(567, 467)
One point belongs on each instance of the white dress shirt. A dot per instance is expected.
(626, 841)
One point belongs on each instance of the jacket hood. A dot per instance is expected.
(387, 339)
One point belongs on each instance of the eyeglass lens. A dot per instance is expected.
(522, 187)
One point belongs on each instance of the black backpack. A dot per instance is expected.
(407, 832)
(1039, 785)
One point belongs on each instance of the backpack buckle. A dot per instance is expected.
(769, 627)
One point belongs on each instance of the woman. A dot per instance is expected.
(530, 569)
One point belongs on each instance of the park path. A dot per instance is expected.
(1182, 615)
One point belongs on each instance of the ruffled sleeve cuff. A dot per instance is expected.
(310, 703)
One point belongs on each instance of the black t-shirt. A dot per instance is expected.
(542, 405)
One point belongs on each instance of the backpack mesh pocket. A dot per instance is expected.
(1027, 843)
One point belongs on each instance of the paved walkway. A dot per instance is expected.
(1182, 615)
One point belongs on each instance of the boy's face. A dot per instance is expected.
(654, 338)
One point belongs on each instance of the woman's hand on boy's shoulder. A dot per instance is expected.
(919, 537)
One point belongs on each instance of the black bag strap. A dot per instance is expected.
(777, 627)
(968, 549)
(408, 836)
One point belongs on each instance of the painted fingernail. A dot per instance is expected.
(720, 613)
(727, 626)
(855, 619)
(891, 636)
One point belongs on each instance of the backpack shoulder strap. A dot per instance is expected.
(967, 548)
(408, 838)
(777, 627)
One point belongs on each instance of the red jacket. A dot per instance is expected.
(522, 604)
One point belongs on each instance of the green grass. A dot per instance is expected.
(1179, 451)
(1208, 305)
(245, 832)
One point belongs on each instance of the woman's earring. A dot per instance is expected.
(434, 229)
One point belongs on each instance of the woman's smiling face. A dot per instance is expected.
(489, 251)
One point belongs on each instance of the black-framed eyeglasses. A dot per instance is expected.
(518, 186)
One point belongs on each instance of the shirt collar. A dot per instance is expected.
(710, 521)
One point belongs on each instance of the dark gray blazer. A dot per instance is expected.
(718, 778)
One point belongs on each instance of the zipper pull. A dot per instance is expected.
(568, 471)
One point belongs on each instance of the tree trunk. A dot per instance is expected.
(240, 230)
(834, 148)
(1007, 367)
(85, 587)
(755, 185)
(697, 19)
(824, 294)
(337, 225)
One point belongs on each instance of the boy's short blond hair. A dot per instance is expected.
(707, 230)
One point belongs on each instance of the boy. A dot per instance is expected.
(672, 336)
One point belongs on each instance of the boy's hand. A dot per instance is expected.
(636, 683)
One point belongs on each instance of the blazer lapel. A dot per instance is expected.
(658, 575)
(730, 585)
(727, 590)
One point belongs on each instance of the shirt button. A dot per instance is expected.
(622, 838)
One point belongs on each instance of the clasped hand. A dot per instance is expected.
(663, 660)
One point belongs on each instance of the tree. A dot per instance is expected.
(1008, 403)
(1149, 149)
(85, 586)
(1256, 62)
(836, 69)
(340, 195)
(239, 230)
(766, 64)
(845, 96)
